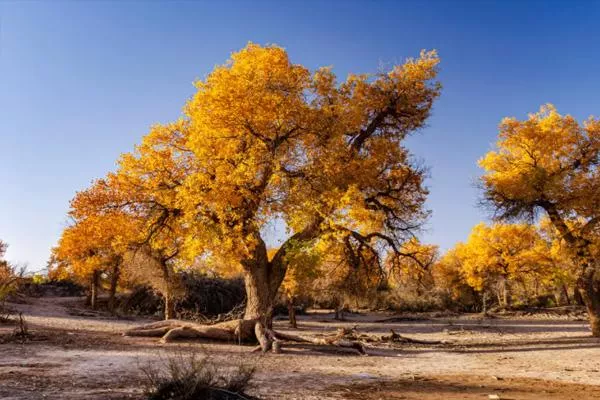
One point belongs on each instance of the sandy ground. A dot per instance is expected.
(76, 354)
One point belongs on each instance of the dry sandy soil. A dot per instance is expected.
(75, 354)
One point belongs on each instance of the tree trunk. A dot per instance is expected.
(499, 295)
(94, 289)
(506, 294)
(170, 284)
(259, 296)
(114, 280)
(587, 285)
(577, 297)
(566, 294)
(484, 303)
(263, 278)
(292, 313)
(169, 306)
(590, 293)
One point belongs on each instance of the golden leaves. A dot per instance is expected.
(265, 139)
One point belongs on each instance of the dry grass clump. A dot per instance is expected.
(193, 376)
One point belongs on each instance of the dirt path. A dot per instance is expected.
(76, 354)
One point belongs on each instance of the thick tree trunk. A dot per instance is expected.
(259, 296)
(292, 313)
(94, 289)
(114, 280)
(262, 279)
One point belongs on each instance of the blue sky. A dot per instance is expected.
(81, 82)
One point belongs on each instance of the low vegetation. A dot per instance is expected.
(193, 376)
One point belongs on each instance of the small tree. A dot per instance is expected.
(411, 268)
(90, 246)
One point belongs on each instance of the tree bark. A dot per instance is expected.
(94, 289)
(259, 295)
(262, 279)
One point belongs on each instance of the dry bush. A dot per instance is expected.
(58, 288)
(405, 301)
(435, 299)
(201, 297)
(193, 376)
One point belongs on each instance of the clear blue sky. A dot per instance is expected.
(81, 82)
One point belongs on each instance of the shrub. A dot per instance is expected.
(35, 287)
(9, 281)
(195, 377)
(202, 297)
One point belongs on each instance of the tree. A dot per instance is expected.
(448, 276)
(348, 272)
(302, 272)
(144, 190)
(411, 267)
(264, 140)
(549, 163)
(8, 276)
(93, 245)
(497, 257)
(273, 141)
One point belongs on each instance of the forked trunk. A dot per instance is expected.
(263, 277)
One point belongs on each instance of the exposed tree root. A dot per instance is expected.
(238, 330)
(397, 338)
(340, 339)
(248, 331)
